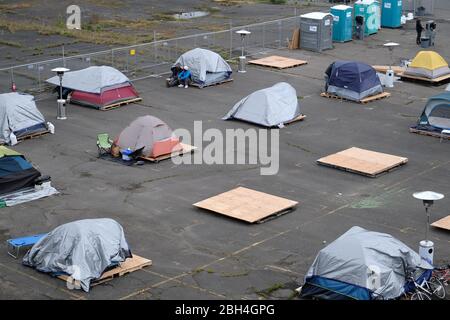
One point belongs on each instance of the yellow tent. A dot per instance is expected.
(428, 60)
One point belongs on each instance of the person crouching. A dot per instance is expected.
(184, 77)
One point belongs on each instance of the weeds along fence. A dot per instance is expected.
(150, 59)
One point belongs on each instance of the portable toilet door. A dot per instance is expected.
(391, 13)
(342, 23)
(316, 31)
(369, 10)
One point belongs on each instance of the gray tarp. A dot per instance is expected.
(206, 66)
(353, 256)
(268, 107)
(82, 249)
(93, 79)
(19, 112)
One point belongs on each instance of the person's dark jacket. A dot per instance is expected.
(419, 27)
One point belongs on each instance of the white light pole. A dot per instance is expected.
(61, 110)
(426, 247)
(243, 34)
(389, 80)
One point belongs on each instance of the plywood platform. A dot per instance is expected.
(278, 62)
(247, 205)
(437, 80)
(186, 149)
(383, 69)
(363, 101)
(193, 84)
(364, 162)
(443, 223)
(430, 133)
(129, 265)
(119, 104)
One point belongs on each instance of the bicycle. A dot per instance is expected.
(442, 274)
(427, 289)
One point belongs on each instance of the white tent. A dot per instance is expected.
(20, 116)
(268, 107)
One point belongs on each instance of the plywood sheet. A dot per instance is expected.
(278, 62)
(435, 80)
(443, 223)
(247, 204)
(384, 69)
(361, 161)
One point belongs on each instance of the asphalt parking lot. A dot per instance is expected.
(200, 255)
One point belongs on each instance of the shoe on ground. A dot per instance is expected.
(180, 86)
(186, 86)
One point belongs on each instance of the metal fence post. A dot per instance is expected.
(264, 36)
(39, 76)
(231, 39)
(154, 46)
(279, 34)
(112, 57)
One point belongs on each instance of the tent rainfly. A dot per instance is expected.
(16, 172)
(352, 80)
(436, 115)
(20, 116)
(428, 64)
(268, 107)
(150, 134)
(345, 269)
(83, 249)
(207, 67)
(97, 86)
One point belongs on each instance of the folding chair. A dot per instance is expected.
(14, 245)
(104, 143)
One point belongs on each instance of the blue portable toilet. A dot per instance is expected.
(342, 23)
(391, 13)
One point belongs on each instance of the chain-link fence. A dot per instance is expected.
(144, 60)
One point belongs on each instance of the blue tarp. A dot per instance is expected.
(352, 75)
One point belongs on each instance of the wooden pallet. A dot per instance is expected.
(129, 265)
(435, 81)
(430, 133)
(119, 104)
(443, 223)
(363, 101)
(363, 162)
(278, 62)
(33, 135)
(299, 118)
(186, 149)
(248, 205)
(193, 84)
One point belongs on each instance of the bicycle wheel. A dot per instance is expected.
(436, 287)
(420, 296)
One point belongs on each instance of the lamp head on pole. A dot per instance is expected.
(60, 71)
(243, 33)
(428, 197)
(391, 45)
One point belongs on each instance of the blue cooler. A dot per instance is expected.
(391, 13)
(342, 23)
(126, 154)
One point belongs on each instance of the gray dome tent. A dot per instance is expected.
(206, 66)
(436, 115)
(347, 267)
(268, 107)
(83, 249)
(19, 115)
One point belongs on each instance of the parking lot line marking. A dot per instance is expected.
(73, 295)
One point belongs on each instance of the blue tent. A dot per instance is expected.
(352, 80)
(436, 114)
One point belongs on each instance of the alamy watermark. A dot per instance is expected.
(73, 20)
(235, 146)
